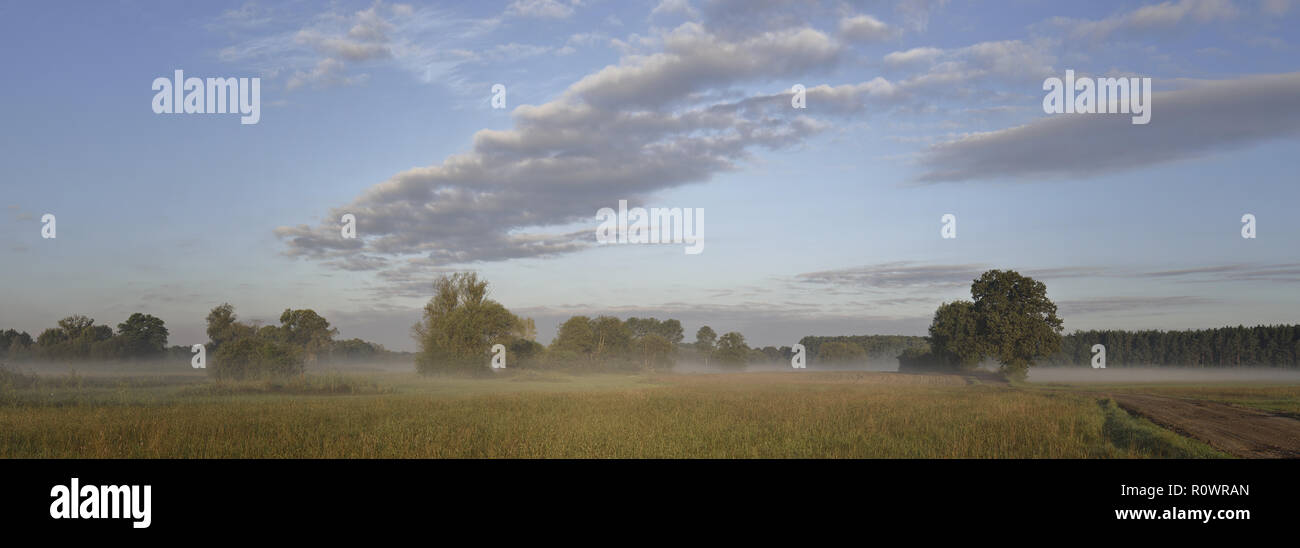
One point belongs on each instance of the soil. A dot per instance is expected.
(1239, 431)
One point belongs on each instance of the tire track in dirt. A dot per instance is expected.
(1239, 431)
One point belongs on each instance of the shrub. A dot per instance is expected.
(255, 357)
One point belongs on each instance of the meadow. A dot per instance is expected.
(525, 414)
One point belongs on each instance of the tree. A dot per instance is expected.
(954, 335)
(668, 329)
(242, 351)
(222, 325)
(612, 338)
(74, 326)
(461, 324)
(654, 351)
(841, 351)
(671, 330)
(705, 342)
(355, 350)
(15, 344)
(143, 335)
(705, 339)
(256, 357)
(732, 349)
(307, 330)
(1016, 321)
(575, 335)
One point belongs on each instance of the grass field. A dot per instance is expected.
(753, 415)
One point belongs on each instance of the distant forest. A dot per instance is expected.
(1259, 346)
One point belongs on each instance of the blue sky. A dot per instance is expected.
(823, 220)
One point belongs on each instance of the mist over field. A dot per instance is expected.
(712, 229)
(1083, 374)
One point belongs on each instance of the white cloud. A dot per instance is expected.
(676, 7)
(550, 9)
(625, 132)
(865, 28)
(1164, 15)
(913, 56)
(1189, 123)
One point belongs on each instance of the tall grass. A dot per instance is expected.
(560, 416)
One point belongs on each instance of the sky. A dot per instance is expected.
(823, 220)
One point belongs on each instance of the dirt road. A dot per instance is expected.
(1239, 431)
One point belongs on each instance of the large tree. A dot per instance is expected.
(461, 324)
(1016, 321)
(143, 335)
(307, 330)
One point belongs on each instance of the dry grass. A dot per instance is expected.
(761, 415)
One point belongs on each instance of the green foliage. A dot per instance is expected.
(1259, 346)
(732, 349)
(143, 335)
(605, 343)
(15, 345)
(841, 352)
(920, 359)
(309, 331)
(461, 324)
(875, 346)
(654, 351)
(954, 335)
(706, 339)
(255, 358)
(77, 337)
(575, 336)
(356, 350)
(1017, 323)
(670, 330)
(222, 326)
(240, 351)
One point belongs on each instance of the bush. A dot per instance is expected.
(254, 357)
(922, 360)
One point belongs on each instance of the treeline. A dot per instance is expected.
(79, 338)
(461, 326)
(1259, 346)
(850, 348)
(240, 350)
(303, 337)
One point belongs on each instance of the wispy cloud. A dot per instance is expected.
(1212, 117)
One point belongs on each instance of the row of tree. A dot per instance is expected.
(1260, 346)
(235, 349)
(242, 350)
(78, 337)
(859, 348)
(461, 326)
